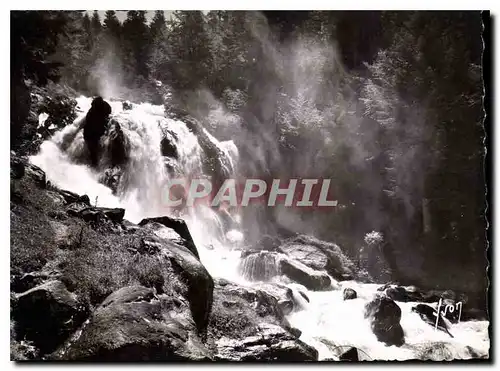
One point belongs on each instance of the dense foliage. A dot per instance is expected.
(388, 104)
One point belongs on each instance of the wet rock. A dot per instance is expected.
(319, 255)
(428, 315)
(127, 105)
(47, 315)
(118, 145)
(259, 266)
(271, 343)
(351, 355)
(179, 226)
(304, 296)
(168, 148)
(111, 178)
(349, 294)
(384, 316)
(134, 324)
(313, 280)
(286, 306)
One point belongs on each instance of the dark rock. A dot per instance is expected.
(17, 169)
(168, 148)
(304, 296)
(179, 226)
(29, 280)
(428, 315)
(286, 306)
(199, 283)
(47, 315)
(350, 294)
(119, 145)
(114, 214)
(351, 355)
(319, 255)
(313, 280)
(71, 197)
(400, 294)
(35, 173)
(216, 162)
(134, 324)
(126, 105)
(111, 178)
(84, 199)
(271, 343)
(384, 316)
(95, 214)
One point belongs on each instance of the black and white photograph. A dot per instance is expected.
(249, 186)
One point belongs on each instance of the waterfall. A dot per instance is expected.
(326, 320)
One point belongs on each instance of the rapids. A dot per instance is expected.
(327, 322)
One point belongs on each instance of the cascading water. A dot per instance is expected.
(327, 321)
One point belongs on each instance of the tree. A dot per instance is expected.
(136, 42)
(158, 25)
(33, 37)
(95, 24)
(112, 25)
(191, 60)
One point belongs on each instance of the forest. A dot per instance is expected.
(387, 104)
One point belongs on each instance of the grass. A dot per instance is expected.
(93, 261)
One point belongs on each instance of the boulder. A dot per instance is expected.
(428, 315)
(96, 214)
(47, 314)
(350, 355)
(111, 178)
(35, 173)
(384, 316)
(118, 145)
(319, 255)
(70, 197)
(199, 283)
(134, 324)
(17, 168)
(168, 148)
(127, 105)
(349, 294)
(179, 226)
(248, 324)
(27, 281)
(286, 306)
(271, 343)
(298, 272)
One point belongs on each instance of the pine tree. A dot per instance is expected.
(95, 24)
(191, 62)
(136, 41)
(112, 25)
(158, 25)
